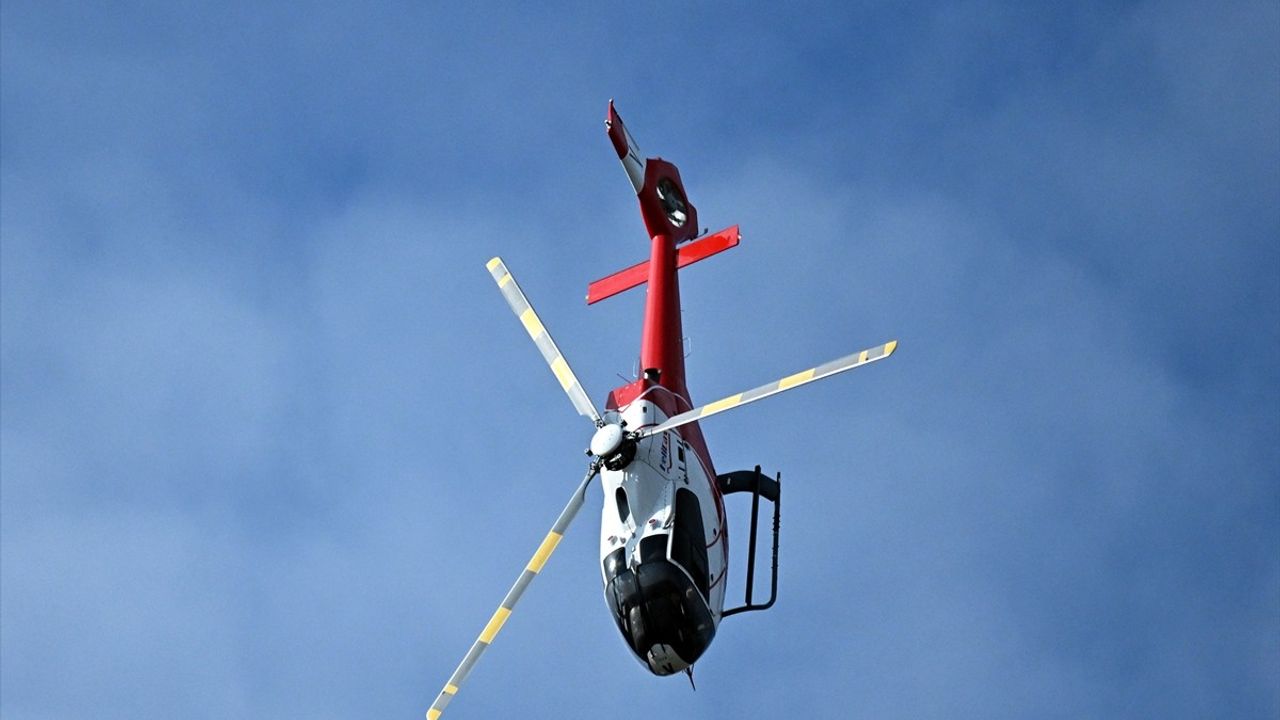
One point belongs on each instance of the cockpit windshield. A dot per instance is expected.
(688, 540)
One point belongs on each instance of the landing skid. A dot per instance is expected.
(759, 485)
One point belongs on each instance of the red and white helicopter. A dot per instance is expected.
(664, 546)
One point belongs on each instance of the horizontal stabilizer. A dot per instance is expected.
(638, 274)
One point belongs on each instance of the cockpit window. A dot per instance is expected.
(624, 509)
(614, 563)
(653, 547)
(688, 544)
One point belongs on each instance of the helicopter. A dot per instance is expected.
(664, 544)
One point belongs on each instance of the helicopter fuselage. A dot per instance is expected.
(663, 541)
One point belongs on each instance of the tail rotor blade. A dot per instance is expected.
(500, 616)
(538, 333)
(825, 370)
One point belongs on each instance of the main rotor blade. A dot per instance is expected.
(825, 370)
(500, 616)
(533, 325)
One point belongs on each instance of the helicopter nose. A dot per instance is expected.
(661, 615)
(663, 660)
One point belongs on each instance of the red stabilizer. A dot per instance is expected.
(638, 274)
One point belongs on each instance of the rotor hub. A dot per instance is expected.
(607, 440)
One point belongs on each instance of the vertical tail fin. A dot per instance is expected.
(625, 146)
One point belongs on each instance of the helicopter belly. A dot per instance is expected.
(662, 550)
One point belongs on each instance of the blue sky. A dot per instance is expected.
(273, 446)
